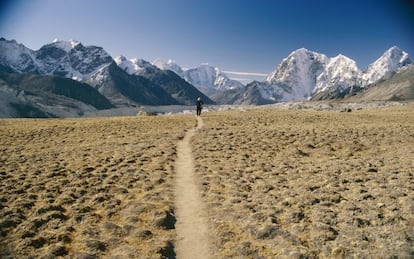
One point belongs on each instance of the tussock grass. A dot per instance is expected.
(88, 187)
(276, 183)
(309, 184)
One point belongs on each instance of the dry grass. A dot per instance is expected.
(309, 184)
(88, 187)
(277, 183)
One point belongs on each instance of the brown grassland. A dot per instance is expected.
(276, 183)
(309, 184)
(87, 188)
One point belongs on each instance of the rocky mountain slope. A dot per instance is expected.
(398, 87)
(94, 66)
(31, 95)
(173, 84)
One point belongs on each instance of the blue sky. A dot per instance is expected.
(235, 35)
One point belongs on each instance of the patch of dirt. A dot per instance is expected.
(192, 226)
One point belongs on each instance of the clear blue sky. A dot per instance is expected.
(235, 35)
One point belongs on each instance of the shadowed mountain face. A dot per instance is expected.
(178, 88)
(58, 86)
(124, 89)
(30, 95)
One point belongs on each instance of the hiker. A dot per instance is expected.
(199, 105)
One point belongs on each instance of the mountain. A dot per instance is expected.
(17, 57)
(302, 75)
(390, 61)
(31, 95)
(124, 89)
(339, 78)
(307, 75)
(398, 87)
(208, 79)
(295, 77)
(94, 66)
(169, 65)
(68, 59)
(71, 59)
(177, 87)
(253, 93)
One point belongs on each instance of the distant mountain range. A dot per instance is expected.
(208, 79)
(308, 75)
(83, 67)
(66, 78)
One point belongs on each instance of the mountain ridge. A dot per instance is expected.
(302, 75)
(308, 75)
(93, 65)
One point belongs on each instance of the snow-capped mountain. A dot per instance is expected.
(305, 74)
(206, 78)
(398, 87)
(209, 79)
(169, 65)
(71, 59)
(390, 61)
(134, 82)
(302, 75)
(17, 56)
(295, 77)
(172, 83)
(135, 66)
(340, 72)
(61, 58)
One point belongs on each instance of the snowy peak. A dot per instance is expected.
(304, 74)
(342, 67)
(202, 76)
(64, 45)
(17, 56)
(60, 58)
(210, 80)
(71, 59)
(169, 65)
(298, 65)
(392, 59)
(339, 74)
(295, 77)
(205, 77)
(134, 66)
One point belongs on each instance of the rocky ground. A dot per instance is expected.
(309, 184)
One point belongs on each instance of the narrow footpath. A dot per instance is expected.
(192, 224)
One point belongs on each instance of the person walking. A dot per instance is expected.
(199, 105)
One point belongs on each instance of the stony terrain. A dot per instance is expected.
(309, 184)
(88, 188)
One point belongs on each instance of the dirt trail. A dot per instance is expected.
(191, 225)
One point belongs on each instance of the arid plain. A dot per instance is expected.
(276, 183)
